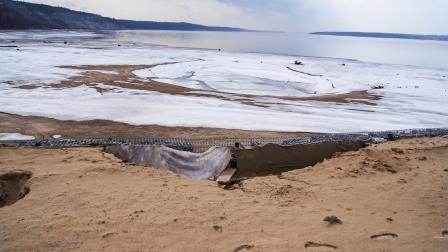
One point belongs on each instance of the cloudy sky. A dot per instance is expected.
(405, 16)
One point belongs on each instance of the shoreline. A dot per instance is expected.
(43, 127)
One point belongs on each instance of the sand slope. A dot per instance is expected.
(84, 200)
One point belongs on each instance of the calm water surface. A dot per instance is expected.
(394, 51)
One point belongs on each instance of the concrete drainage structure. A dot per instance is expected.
(275, 159)
(206, 158)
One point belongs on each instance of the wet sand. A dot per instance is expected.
(43, 127)
(106, 78)
(389, 197)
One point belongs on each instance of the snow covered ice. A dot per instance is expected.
(14, 136)
(412, 97)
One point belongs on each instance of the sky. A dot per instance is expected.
(400, 16)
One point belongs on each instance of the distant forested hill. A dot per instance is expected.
(385, 35)
(23, 15)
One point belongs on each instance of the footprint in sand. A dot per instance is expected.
(244, 247)
(318, 245)
(67, 160)
(383, 236)
(441, 235)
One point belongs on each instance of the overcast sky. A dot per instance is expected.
(405, 16)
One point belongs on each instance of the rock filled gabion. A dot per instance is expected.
(55, 143)
(326, 138)
(368, 136)
(201, 145)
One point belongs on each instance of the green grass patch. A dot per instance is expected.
(217, 228)
(332, 220)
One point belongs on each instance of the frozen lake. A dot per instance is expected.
(229, 89)
(392, 51)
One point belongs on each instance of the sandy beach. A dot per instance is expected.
(389, 197)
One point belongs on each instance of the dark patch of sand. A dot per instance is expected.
(43, 127)
(122, 76)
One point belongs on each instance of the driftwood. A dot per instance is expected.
(231, 182)
(228, 185)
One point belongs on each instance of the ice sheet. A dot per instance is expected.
(413, 97)
(14, 136)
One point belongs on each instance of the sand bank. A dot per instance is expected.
(390, 197)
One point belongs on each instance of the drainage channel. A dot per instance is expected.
(208, 158)
(256, 159)
(276, 159)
